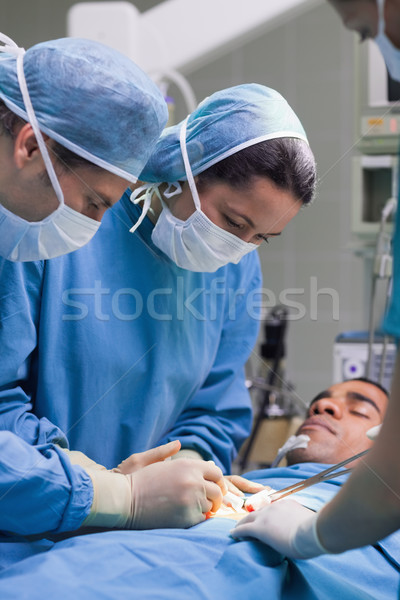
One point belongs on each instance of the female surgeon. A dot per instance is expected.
(367, 508)
(139, 338)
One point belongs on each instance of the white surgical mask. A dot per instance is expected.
(196, 244)
(61, 232)
(390, 53)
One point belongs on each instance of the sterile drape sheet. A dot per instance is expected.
(203, 562)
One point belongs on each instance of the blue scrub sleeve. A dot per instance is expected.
(40, 490)
(20, 293)
(218, 418)
(391, 324)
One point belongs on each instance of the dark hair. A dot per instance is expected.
(372, 382)
(288, 162)
(9, 123)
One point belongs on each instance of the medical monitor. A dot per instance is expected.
(377, 103)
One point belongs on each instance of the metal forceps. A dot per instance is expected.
(325, 475)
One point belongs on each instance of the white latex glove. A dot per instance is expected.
(187, 453)
(163, 494)
(130, 464)
(142, 459)
(286, 526)
(78, 458)
(237, 485)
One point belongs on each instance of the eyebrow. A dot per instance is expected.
(249, 221)
(350, 396)
(106, 200)
(362, 398)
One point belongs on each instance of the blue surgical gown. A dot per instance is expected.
(39, 488)
(113, 349)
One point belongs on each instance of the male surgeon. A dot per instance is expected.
(78, 121)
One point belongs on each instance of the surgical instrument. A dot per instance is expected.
(271, 496)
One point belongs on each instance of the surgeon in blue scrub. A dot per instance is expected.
(139, 339)
(65, 107)
(62, 166)
(367, 508)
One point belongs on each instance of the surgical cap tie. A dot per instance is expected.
(12, 48)
(186, 162)
(144, 193)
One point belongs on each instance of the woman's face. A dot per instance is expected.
(255, 213)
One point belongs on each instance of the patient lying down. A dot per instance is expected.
(204, 562)
(336, 426)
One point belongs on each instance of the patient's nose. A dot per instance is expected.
(327, 406)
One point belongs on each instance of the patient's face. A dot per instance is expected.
(338, 420)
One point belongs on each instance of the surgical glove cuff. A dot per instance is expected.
(187, 453)
(306, 542)
(78, 458)
(112, 500)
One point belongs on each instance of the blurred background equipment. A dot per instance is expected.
(277, 409)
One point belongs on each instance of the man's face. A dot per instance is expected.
(91, 191)
(338, 420)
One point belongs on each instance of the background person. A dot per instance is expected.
(140, 339)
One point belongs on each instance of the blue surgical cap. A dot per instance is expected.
(91, 99)
(222, 124)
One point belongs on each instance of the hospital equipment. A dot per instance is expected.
(267, 496)
(294, 441)
(373, 433)
(350, 357)
(377, 99)
(373, 356)
(374, 180)
(373, 201)
(277, 408)
(382, 269)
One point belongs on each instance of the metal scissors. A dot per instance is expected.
(325, 475)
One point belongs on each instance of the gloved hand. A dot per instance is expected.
(142, 459)
(163, 494)
(187, 453)
(130, 464)
(286, 526)
(237, 485)
(78, 458)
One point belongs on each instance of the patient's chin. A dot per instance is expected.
(299, 455)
